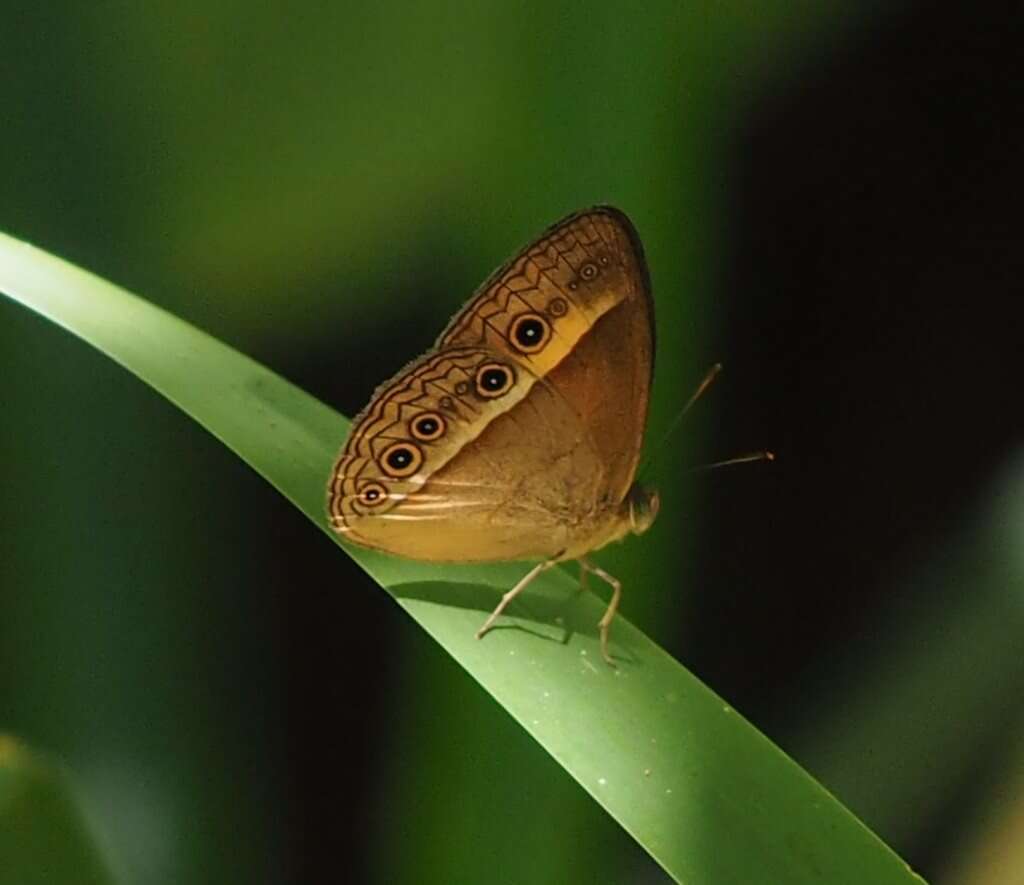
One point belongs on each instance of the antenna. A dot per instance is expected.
(739, 459)
(710, 376)
(705, 383)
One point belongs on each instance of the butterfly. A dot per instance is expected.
(517, 435)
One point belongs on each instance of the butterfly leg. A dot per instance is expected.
(512, 594)
(584, 571)
(586, 566)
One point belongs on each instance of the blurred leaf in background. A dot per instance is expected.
(825, 194)
(43, 838)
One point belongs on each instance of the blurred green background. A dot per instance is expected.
(829, 197)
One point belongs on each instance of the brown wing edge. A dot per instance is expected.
(621, 219)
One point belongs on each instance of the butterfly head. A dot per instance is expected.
(643, 507)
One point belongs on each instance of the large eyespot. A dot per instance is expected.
(401, 459)
(530, 332)
(373, 494)
(428, 426)
(494, 379)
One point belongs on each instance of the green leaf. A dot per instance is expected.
(43, 837)
(708, 796)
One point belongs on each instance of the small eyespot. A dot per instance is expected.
(604, 260)
(530, 332)
(373, 494)
(558, 307)
(401, 459)
(447, 403)
(428, 426)
(588, 271)
(462, 388)
(493, 379)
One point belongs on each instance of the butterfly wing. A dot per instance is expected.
(519, 435)
(583, 290)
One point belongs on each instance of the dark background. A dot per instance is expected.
(831, 202)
